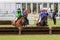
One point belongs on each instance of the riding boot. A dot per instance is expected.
(26, 20)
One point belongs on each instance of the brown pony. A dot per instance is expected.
(18, 23)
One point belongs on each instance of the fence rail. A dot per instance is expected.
(30, 30)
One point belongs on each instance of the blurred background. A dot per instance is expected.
(8, 10)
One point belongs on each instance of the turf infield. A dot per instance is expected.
(29, 37)
(50, 24)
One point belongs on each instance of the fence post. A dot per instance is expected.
(50, 32)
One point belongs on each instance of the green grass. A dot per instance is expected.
(29, 37)
(50, 23)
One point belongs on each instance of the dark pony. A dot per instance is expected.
(43, 21)
(19, 23)
(25, 23)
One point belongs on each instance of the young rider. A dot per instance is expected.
(18, 14)
(25, 14)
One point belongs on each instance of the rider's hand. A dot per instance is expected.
(39, 20)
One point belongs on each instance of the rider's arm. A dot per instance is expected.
(16, 14)
(40, 15)
(26, 12)
(21, 14)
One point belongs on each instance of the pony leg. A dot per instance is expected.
(13, 23)
(20, 28)
(17, 25)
